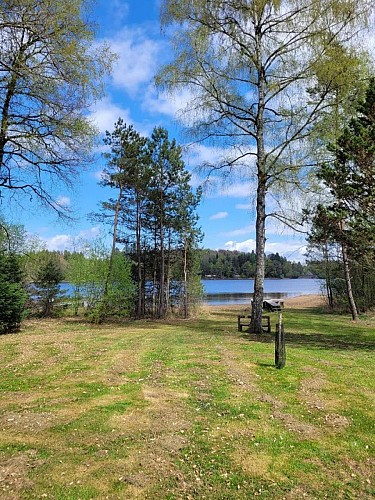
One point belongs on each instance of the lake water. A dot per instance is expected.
(226, 292)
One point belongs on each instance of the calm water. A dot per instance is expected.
(226, 292)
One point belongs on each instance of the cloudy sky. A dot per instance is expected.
(131, 28)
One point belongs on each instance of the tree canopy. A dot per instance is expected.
(50, 73)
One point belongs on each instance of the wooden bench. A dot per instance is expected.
(273, 305)
(243, 320)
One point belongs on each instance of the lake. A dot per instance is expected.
(228, 292)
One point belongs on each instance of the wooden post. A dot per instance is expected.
(280, 354)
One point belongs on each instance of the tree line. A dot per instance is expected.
(234, 264)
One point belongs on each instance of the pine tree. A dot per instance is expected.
(46, 289)
(127, 171)
(12, 292)
(171, 213)
(350, 217)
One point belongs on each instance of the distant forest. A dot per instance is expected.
(221, 264)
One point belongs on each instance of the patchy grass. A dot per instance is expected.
(188, 409)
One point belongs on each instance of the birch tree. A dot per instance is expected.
(49, 76)
(249, 66)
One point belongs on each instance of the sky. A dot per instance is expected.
(227, 212)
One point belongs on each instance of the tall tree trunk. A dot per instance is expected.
(155, 266)
(348, 282)
(260, 226)
(139, 263)
(161, 305)
(185, 284)
(256, 311)
(114, 240)
(168, 277)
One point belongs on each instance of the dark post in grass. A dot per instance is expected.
(280, 354)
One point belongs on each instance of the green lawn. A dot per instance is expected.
(188, 409)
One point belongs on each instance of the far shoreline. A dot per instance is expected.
(305, 301)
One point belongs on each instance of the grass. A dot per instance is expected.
(187, 409)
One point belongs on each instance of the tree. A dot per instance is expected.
(128, 171)
(153, 206)
(171, 211)
(349, 219)
(12, 292)
(249, 66)
(49, 75)
(45, 289)
(188, 237)
(76, 274)
(101, 281)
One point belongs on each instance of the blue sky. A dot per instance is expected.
(227, 216)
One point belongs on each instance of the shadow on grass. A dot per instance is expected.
(316, 341)
(323, 341)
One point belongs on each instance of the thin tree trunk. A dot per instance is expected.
(328, 277)
(155, 265)
(103, 307)
(168, 277)
(161, 305)
(139, 263)
(114, 240)
(348, 282)
(185, 298)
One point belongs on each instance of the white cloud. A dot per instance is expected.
(195, 180)
(61, 242)
(63, 201)
(238, 190)
(219, 215)
(98, 175)
(221, 157)
(168, 104)
(242, 246)
(118, 10)
(137, 61)
(105, 113)
(215, 186)
(92, 232)
(291, 250)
